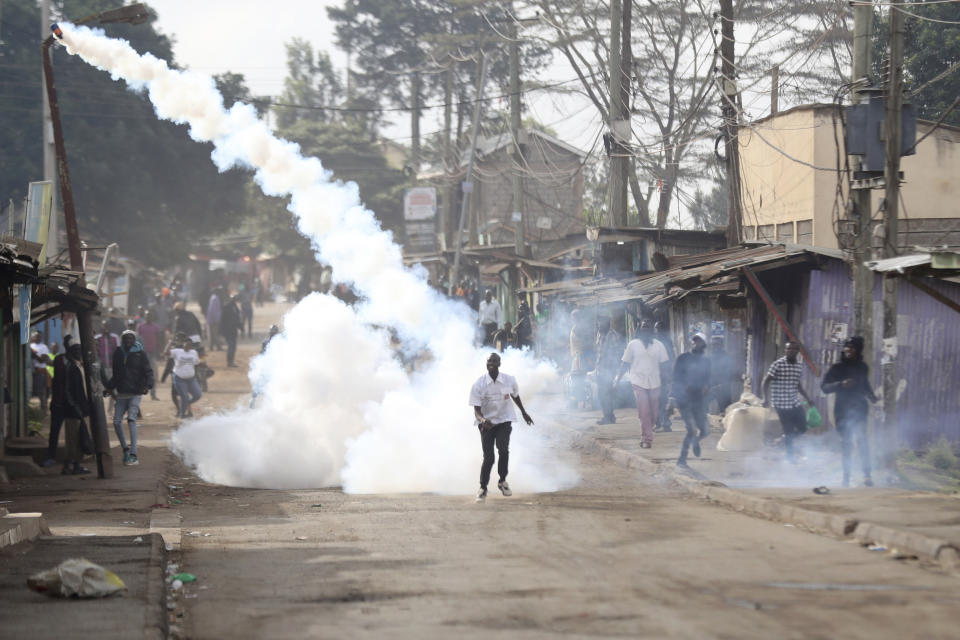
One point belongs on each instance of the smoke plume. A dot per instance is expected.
(336, 407)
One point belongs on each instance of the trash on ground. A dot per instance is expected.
(301, 537)
(315, 506)
(138, 539)
(185, 577)
(877, 547)
(821, 490)
(177, 584)
(78, 578)
(129, 522)
(789, 525)
(195, 534)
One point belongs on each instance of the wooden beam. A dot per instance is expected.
(933, 293)
(768, 301)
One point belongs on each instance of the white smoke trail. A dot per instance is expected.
(336, 407)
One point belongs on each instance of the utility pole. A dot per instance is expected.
(730, 120)
(468, 178)
(49, 154)
(619, 136)
(775, 90)
(892, 130)
(448, 190)
(519, 217)
(415, 91)
(863, 277)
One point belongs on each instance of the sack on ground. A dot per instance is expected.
(76, 578)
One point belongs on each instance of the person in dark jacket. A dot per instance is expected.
(132, 377)
(850, 380)
(76, 408)
(691, 380)
(57, 401)
(230, 325)
(186, 322)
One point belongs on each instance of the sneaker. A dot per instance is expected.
(133, 460)
(126, 459)
(504, 488)
(79, 471)
(696, 448)
(482, 495)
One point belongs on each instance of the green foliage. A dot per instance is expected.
(930, 48)
(137, 181)
(940, 456)
(311, 83)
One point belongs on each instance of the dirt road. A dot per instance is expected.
(619, 556)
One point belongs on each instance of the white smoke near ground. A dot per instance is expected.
(335, 404)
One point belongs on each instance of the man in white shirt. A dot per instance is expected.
(185, 361)
(41, 358)
(643, 357)
(491, 397)
(489, 317)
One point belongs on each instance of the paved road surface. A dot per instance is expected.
(617, 557)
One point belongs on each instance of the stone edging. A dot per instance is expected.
(942, 552)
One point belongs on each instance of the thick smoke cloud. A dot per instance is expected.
(336, 406)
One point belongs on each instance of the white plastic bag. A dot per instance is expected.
(78, 578)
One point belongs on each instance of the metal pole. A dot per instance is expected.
(519, 214)
(91, 363)
(730, 120)
(467, 183)
(863, 277)
(618, 157)
(894, 108)
(49, 154)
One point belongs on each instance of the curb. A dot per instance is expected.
(943, 553)
(21, 527)
(155, 618)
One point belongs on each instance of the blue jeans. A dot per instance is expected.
(131, 407)
(189, 391)
(694, 413)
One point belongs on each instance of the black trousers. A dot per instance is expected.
(606, 393)
(794, 423)
(231, 338)
(489, 329)
(56, 421)
(499, 435)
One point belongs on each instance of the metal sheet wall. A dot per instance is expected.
(928, 364)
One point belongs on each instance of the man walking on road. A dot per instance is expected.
(783, 379)
(850, 380)
(691, 378)
(132, 377)
(643, 357)
(662, 329)
(491, 397)
(489, 317)
(76, 409)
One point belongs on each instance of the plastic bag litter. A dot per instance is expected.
(76, 578)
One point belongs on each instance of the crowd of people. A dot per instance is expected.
(129, 351)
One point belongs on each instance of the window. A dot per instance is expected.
(785, 232)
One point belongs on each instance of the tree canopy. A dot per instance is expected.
(137, 180)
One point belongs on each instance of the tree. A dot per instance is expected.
(675, 72)
(931, 50)
(137, 181)
(311, 86)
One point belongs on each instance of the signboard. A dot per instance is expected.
(544, 222)
(37, 223)
(420, 203)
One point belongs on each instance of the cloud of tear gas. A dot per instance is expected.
(335, 404)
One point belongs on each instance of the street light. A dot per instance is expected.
(131, 14)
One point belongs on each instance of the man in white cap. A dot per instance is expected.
(691, 380)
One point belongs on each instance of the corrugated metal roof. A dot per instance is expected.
(899, 263)
(710, 269)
